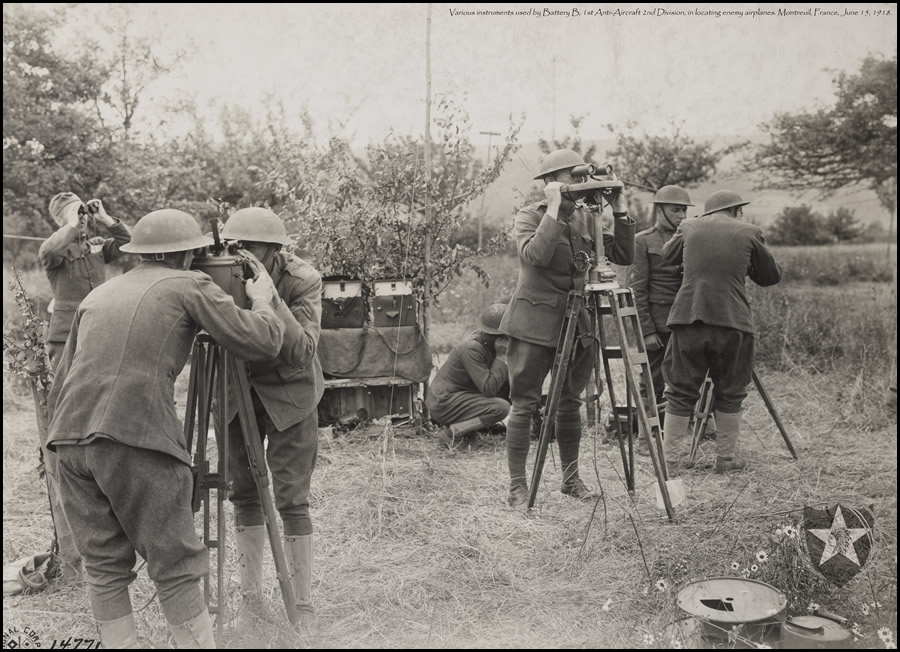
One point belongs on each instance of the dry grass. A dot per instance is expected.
(415, 547)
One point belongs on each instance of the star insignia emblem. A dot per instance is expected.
(839, 539)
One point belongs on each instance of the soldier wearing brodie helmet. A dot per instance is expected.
(285, 390)
(552, 236)
(125, 475)
(656, 283)
(712, 327)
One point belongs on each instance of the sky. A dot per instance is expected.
(364, 65)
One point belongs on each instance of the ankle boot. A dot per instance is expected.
(453, 436)
(518, 495)
(299, 553)
(195, 633)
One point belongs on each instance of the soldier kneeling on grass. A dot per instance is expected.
(468, 392)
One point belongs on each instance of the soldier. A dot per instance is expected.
(285, 390)
(74, 261)
(549, 236)
(124, 467)
(467, 393)
(75, 265)
(654, 283)
(712, 327)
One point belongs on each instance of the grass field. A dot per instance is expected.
(416, 548)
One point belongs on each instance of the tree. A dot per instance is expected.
(135, 63)
(851, 143)
(57, 134)
(363, 216)
(799, 225)
(843, 225)
(648, 162)
(51, 140)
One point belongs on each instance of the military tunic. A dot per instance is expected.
(712, 325)
(654, 284)
(75, 265)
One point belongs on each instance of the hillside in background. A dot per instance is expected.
(509, 191)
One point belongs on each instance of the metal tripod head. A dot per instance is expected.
(600, 277)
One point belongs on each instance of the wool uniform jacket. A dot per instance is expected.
(546, 275)
(291, 383)
(718, 252)
(75, 266)
(654, 282)
(130, 340)
(472, 367)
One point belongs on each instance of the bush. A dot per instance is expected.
(836, 265)
(799, 225)
(824, 328)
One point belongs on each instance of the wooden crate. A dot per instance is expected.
(348, 399)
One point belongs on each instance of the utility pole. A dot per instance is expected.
(426, 295)
(489, 134)
(553, 117)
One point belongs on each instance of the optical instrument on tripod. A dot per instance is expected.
(213, 369)
(602, 295)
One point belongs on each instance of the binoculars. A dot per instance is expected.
(601, 184)
(89, 208)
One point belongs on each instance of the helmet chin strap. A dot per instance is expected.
(271, 251)
(666, 217)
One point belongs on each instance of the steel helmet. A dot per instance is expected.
(561, 159)
(256, 224)
(722, 199)
(490, 318)
(165, 231)
(672, 195)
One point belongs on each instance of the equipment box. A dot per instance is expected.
(347, 399)
(343, 304)
(394, 303)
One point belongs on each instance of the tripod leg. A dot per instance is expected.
(190, 410)
(557, 380)
(627, 464)
(198, 405)
(656, 454)
(701, 418)
(260, 474)
(771, 408)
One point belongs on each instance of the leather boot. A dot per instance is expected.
(453, 436)
(518, 495)
(575, 488)
(299, 553)
(250, 541)
(118, 634)
(195, 634)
